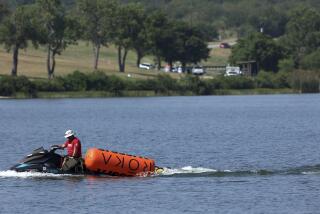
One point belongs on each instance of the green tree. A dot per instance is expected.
(302, 33)
(140, 43)
(208, 31)
(286, 65)
(191, 45)
(127, 26)
(157, 25)
(167, 44)
(258, 47)
(56, 29)
(176, 41)
(270, 19)
(265, 80)
(15, 31)
(311, 61)
(96, 17)
(4, 10)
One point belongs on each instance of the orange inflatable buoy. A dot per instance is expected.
(117, 164)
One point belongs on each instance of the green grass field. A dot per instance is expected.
(32, 62)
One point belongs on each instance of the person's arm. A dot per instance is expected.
(63, 145)
(75, 149)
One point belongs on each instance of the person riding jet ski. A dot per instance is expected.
(73, 159)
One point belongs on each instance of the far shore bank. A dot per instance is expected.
(104, 94)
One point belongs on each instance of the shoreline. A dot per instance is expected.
(105, 94)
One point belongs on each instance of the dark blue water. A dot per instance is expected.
(227, 154)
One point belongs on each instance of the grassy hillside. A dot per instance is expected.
(32, 62)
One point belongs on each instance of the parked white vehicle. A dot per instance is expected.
(198, 70)
(174, 69)
(147, 66)
(232, 71)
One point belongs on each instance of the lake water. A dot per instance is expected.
(227, 154)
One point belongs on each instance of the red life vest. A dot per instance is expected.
(72, 145)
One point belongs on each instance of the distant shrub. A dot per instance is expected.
(189, 83)
(55, 85)
(97, 81)
(306, 81)
(7, 87)
(115, 84)
(205, 88)
(164, 83)
(10, 85)
(286, 65)
(265, 80)
(141, 84)
(76, 81)
(23, 84)
(197, 85)
(311, 61)
(237, 82)
(282, 79)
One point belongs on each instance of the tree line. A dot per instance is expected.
(288, 39)
(241, 16)
(49, 24)
(297, 48)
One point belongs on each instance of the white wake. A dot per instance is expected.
(166, 171)
(187, 170)
(14, 174)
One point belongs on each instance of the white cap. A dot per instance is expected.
(69, 133)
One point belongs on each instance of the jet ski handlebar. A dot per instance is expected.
(55, 147)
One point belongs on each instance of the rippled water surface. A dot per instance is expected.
(225, 154)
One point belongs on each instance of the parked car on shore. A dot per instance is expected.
(146, 66)
(198, 70)
(174, 69)
(232, 71)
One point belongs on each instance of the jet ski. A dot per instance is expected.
(47, 161)
(96, 162)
